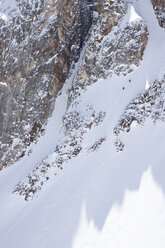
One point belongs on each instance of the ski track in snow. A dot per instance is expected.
(101, 199)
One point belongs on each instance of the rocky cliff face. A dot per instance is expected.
(39, 43)
(159, 8)
(116, 45)
(39, 40)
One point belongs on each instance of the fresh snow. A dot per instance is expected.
(3, 16)
(102, 198)
(147, 84)
(3, 84)
(133, 15)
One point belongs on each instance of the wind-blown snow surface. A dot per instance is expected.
(102, 198)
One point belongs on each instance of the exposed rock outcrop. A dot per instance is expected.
(151, 104)
(75, 126)
(159, 8)
(115, 45)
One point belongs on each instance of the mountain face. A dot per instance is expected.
(82, 112)
(114, 45)
(38, 44)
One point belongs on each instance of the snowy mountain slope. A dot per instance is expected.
(82, 115)
(101, 198)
